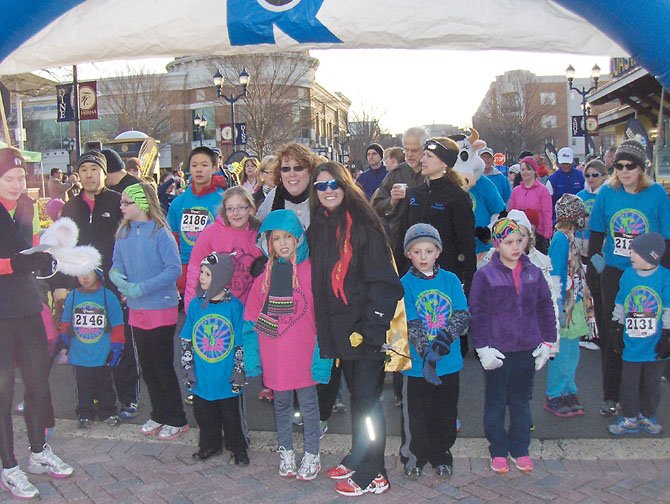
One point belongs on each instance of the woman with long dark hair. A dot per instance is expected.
(356, 290)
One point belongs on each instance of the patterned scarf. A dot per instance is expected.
(341, 267)
(576, 284)
(279, 300)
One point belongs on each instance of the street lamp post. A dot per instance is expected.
(343, 140)
(595, 76)
(218, 84)
(200, 122)
(69, 144)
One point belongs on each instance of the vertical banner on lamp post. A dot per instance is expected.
(64, 103)
(88, 100)
(576, 126)
(240, 133)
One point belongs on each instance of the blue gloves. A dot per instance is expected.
(131, 290)
(430, 359)
(118, 279)
(598, 263)
(115, 354)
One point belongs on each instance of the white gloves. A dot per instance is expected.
(542, 354)
(490, 358)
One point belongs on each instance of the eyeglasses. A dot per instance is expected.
(237, 209)
(127, 203)
(288, 169)
(331, 184)
(627, 166)
(265, 171)
(592, 175)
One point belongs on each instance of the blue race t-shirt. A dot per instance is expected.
(643, 299)
(486, 202)
(189, 215)
(502, 184)
(214, 332)
(91, 316)
(589, 199)
(432, 301)
(623, 216)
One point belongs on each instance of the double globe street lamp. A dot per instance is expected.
(595, 76)
(244, 79)
(200, 122)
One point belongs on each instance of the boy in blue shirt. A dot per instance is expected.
(437, 315)
(212, 358)
(640, 332)
(92, 328)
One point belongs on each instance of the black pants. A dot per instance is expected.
(365, 380)
(541, 243)
(155, 349)
(127, 373)
(24, 340)
(212, 416)
(611, 361)
(641, 387)
(428, 421)
(327, 393)
(95, 384)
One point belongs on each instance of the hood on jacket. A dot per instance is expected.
(283, 220)
(218, 182)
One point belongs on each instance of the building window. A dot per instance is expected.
(199, 95)
(551, 141)
(548, 121)
(548, 98)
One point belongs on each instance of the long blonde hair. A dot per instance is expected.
(642, 183)
(246, 195)
(155, 212)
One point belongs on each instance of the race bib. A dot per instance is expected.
(193, 220)
(89, 318)
(622, 244)
(640, 325)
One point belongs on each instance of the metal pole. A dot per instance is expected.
(77, 129)
(232, 122)
(586, 130)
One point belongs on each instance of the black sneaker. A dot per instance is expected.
(413, 472)
(85, 423)
(205, 453)
(241, 458)
(608, 408)
(112, 421)
(128, 411)
(444, 470)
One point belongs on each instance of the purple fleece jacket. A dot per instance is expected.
(505, 320)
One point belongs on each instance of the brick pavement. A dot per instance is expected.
(121, 466)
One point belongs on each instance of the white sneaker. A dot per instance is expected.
(15, 481)
(287, 462)
(588, 345)
(149, 428)
(47, 462)
(170, 432)
(309, 467)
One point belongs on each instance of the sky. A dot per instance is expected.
(405, 88)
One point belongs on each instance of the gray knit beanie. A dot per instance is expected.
(222, 267)
(422, 233)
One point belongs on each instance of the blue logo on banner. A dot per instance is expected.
(251, 22)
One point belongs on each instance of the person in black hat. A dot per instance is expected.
(372, 178)
(117, 176)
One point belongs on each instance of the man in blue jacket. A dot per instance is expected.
(566, 180)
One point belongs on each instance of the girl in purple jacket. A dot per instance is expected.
(513, 329)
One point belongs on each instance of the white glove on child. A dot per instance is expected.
(542, 354)
(490, 358)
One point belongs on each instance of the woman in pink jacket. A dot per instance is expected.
(233, 231)
(534, 199)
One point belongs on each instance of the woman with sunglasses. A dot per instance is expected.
(266, 178)
(292, 175)
(629, 205)
(356, 290)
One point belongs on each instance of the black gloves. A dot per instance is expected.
(663, 346)
(483, 233)
(616, 333)
(258, 266)
(27, 263)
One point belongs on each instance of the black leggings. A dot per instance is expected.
(23, 341)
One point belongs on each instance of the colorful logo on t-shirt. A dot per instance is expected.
(89, 321)
(434, 309)
(625, 225)
(213, 337)
(588, 204)
(193, 221)
(642, 311)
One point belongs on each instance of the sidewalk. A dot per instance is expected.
(119, 465)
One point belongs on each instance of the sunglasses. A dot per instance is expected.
(627, 166)
(592, 175)
(288, 169)
(331, 184)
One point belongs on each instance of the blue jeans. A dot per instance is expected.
(309, 409)
(509, 386)
(561, 370)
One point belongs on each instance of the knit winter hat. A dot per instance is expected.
(136, 193)
(422, 233)
(570, 208)
(502, 229)
(11, 158)
(520, 218)
(633, 151)
(114, 161)
(221, 267)
(376, 147)
(93, 156)
(529, 162)
(54, 206)
(650, 247)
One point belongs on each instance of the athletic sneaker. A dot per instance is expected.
(323, 427)
(588, 345)
(129, 411)
(339, 472)
(15, 481)
(608, 408)
(572, 402)
(524, 463)
(649, 424)
(170, 432)
(309, 467)
(499, 464)
(266, 394)
(287, 467)
(557, 406)
(348, 488)
(413, 472)
(624, 425)
(47, 462)
(112, 421)
(85, 423)
(150, 427)
(339, 407)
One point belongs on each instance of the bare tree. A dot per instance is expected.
(277, 105)
(510, 116)
(364, 128)
(136, 100)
